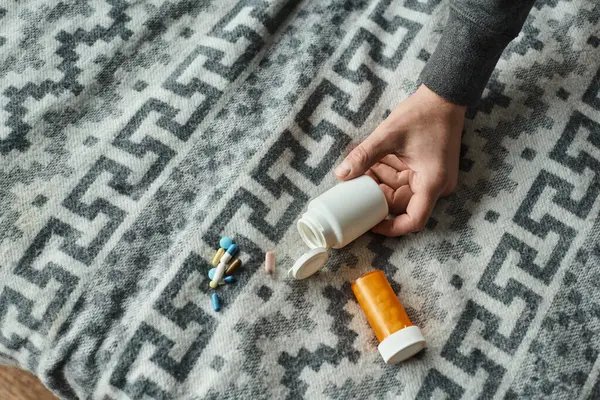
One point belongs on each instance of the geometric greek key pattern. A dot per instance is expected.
(133, 135)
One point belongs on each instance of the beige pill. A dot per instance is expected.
(218, 256)
(270, 262)
(233, 266)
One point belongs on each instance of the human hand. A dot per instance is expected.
(413, 156)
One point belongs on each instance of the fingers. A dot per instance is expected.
(397, 199)
(364, 156)
(401, 200)
(418, 210)
(390, 176)
(393, 161)
(372, 176)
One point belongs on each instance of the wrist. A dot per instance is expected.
(448, 116)
(442, 104)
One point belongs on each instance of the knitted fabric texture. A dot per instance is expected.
(134, 134)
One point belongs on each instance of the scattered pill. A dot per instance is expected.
(220, 271)
(233, 266)
(227, 279)
(218, 256)
(270, 262)
(225, 242)
(213, 284)
(216, 302)
(232, 249)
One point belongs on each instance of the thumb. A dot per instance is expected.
(364, 156)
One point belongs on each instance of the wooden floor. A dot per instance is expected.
(16, 384)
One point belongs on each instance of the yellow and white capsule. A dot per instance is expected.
(217, 257)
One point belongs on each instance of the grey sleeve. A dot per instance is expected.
(476, 33)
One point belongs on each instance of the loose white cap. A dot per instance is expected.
(402, 345)
(309, 263)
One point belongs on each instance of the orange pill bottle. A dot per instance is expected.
(398, 338)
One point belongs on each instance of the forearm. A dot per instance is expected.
(476, 33)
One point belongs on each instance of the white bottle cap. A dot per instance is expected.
(402, 345)
(309, 263)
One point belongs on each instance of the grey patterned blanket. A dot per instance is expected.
(133, 134)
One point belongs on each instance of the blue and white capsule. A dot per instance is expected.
(224, 244)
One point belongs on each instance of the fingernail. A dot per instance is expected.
(342, 170)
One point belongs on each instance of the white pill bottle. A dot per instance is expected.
(336, 218)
